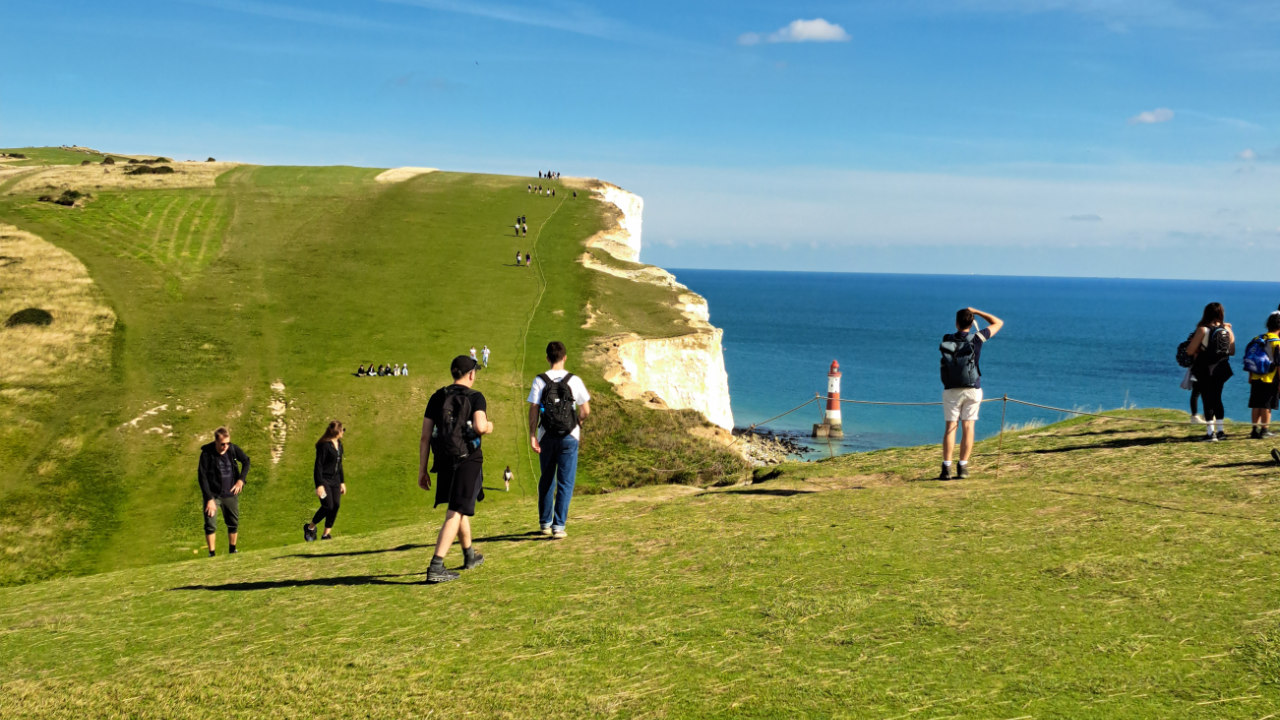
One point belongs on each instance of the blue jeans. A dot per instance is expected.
(559, 459)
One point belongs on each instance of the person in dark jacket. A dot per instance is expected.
(331, 483)
(222, 471)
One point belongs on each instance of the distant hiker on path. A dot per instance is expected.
(962, 385)
(506, 478)
(473, 352)
(222, 471)
(558, 402)
(455, 419)
(331, 482)
(528, 259)
(1211, 346)
(484, 356)
(517, 258)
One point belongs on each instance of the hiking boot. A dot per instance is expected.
(962, 472)
(475, 561)
(1255, 434)
(308, 533)
(946, 473)
(1220, 435)
(326, 537)
(559, 534)
(440, 574)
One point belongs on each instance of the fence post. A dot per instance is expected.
(1004, 407)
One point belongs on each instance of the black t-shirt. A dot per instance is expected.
(436, 404)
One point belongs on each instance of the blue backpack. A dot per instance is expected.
(1256, 360)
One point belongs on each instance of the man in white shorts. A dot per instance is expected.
(962, 385)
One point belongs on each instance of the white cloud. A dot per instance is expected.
(1151, 117)
(798, 31)
(1247, 154)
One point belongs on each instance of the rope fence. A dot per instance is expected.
(1004, 400)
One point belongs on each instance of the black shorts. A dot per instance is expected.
(230, 515)
(460, 485)
(1262, 395)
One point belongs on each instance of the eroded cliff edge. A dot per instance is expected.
(683, 371)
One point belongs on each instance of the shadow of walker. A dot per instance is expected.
(341, 581)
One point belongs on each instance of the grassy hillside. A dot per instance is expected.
(1113, 570)
(292, 277)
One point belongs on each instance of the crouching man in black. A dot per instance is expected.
(221, 473)
(455, 419)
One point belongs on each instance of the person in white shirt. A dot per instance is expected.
(558, 403)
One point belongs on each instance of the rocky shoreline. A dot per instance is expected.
(766, 447)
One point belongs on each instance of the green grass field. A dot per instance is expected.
(1113, 570)
(297, 275)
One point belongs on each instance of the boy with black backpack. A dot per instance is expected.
(962, 385)
(455, 419)
(1260, 357)
(558, 402)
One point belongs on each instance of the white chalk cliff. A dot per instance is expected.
(681, 372)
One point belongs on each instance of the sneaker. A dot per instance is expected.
(1220, 435)
(1208, 438)
(946, 473)
(476, 561)
(442, 575)
(962, 472)
(1197, 420)
(1275, 455)
(559, 534)
(1265, 434)
(308, 533)
(232, 550)
(545, 530)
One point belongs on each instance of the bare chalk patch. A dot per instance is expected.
(401, 174)
(278, 427)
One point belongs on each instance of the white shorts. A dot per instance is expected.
(961, 404)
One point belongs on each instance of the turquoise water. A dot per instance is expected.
(1077, 343)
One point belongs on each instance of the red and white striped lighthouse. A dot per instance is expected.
(832, 416)
(831, 425)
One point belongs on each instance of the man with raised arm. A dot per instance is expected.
(456, 418)
(221, 473)
(962, 385)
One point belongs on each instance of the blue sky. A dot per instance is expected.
(1132, 138)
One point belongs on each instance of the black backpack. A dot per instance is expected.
(452, 438)
(556, 412)
(1219, 343)
(1184, 359)
(959, 364)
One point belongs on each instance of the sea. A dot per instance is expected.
(1084, 344)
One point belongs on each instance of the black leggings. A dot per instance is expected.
(1211, 396)
(328, 506)
(1195, 395)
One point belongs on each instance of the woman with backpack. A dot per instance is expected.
(330, 481)
(1211, 345)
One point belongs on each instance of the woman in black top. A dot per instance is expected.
(330, 482)
(1211, 345)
